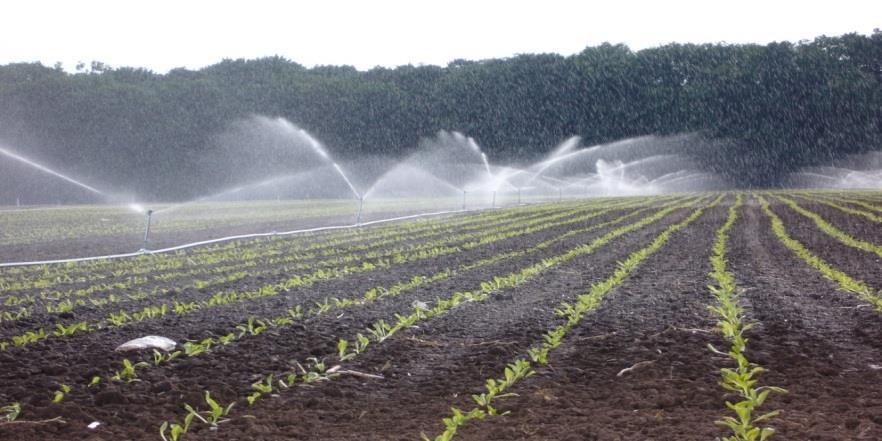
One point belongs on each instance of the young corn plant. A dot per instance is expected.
(215, 411)
(29, 337)
(67, 331)
(128, 373)
(11, 411)
(380, 330)
(322, 307)
(260, 389)
(253, 327)
(296, 313)
(361, 343)
(192, 349)
(61, 393)
(175, 431)
(454, 422)
(342, 345)
(160, 357)
(226, 339)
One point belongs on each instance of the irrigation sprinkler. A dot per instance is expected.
(493, 204)
(360, 210)
(18, 202)
(149, 216)
(463, 200)
(519, 195)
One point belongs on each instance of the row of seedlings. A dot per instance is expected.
(741, 380)
(242, 272)
(522, 367)
(315, 370)
(844, 281)
(19, 278)
(254, 326)
(152, 312)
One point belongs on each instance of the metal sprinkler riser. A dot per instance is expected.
(360, 210)
(148, 217)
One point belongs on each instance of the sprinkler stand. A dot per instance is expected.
(149, 216)
(493, 204)
(463, 200)
(360, 209)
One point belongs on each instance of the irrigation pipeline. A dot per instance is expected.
(237, 237)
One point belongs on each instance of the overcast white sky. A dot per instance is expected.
(164, 34)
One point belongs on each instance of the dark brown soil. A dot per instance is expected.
(821, 344)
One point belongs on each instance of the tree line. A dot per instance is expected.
(778, 106)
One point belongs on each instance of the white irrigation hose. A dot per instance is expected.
(229, 238)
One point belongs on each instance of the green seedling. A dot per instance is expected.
(323, 307)
(119, 319)
(159, 357)
(66, 331)
(127, 373)
(252, 327)
(361, 343)
(341, 350)
(318, 365)
(59, 394)
(215, 412)
(261, 388)
(226, 339)
(454, 422)
(380, 330)
(176, 431)
(11, 411)
(296, 313)
(539, 355)
(192, 349)
(282, 321)
(29, 337)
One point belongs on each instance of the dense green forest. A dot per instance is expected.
(779, 107)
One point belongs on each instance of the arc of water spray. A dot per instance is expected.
(320, 150)
(48, 170)
(474, 146)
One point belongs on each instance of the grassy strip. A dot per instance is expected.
(845, 282)
(831, 230)
(522, 367)
(740, 380)
(381, 330)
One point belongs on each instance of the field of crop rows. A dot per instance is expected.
(607, 319)
(50, 232)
